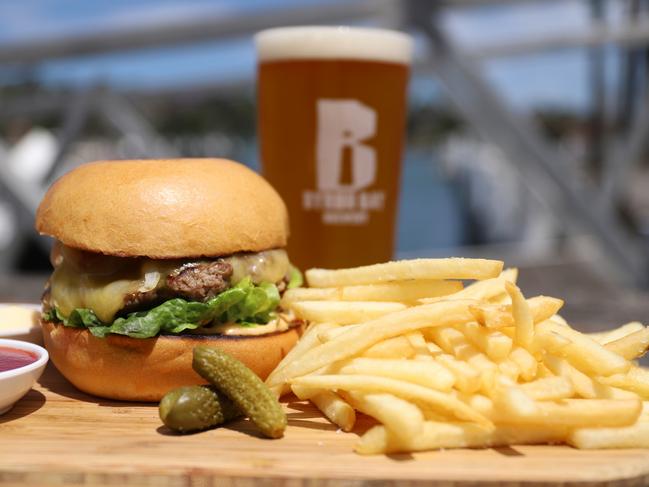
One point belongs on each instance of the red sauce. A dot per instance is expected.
(12, 358)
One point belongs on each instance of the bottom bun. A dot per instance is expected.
(145, 369)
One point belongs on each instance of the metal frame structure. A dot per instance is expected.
(488, 113)
(586, 206)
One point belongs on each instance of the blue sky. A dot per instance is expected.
(556, 79)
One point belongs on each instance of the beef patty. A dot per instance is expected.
(197, 281)
(200, 281)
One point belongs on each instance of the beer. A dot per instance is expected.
(331, 116)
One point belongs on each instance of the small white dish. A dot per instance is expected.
(15, 383)
(19, 321)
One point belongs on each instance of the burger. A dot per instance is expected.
(154, 257)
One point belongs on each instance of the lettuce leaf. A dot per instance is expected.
(79, 318)
(246, 303)
(295, 278)
(172, 316)
(257, 305)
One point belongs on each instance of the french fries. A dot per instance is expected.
(439, 365)
(467, 378)
(549, 388)
(497, 316)
(343, 312)
(631, 346)
(608, 336)
(335, 409)
(635, 380)
(494, 343)
(455, 268)
(429, 374)
(417, 342)
(373, 331)
(585, 353)
(405, 292)
(522, 315)
(634, 436)
(487, 290)
(402, 418)
(309, 340)
(444, 402)
(436, 435)
(396, 347)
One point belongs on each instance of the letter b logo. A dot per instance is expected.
(344, 124)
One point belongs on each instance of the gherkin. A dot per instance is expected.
(195, 408)
(243, 387)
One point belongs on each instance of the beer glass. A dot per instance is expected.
(331, 121)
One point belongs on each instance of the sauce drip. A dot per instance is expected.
(12, 358)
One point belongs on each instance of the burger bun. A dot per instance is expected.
(129, 369)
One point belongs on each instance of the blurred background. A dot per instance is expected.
(526, 129)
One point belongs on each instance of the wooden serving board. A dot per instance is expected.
(59, 436)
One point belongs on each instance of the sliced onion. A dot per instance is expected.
(151, 280)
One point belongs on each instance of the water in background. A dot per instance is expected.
(430, 209)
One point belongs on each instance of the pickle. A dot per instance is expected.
(195, 408)
(243, 387)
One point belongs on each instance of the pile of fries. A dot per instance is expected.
(440, 365)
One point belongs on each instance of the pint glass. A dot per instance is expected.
(331, 121)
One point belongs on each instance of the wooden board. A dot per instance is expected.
(59, 436)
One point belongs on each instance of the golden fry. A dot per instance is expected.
(511, 369)
(453, 268)
(417, 342)
(442, 401)
(436, 435)
(369, 333)
(467, 378)
(343, 312)
(633, 436)
(501, 315)
(479, 291)
(335, 409)
(587, 412)
(631, 346)
(584, 386)
(494, 343)
(585, 353)
(523, 318)
(635, 380)
(307, 342)
(525, 361)
(402, 418)
(396, 347)
(549, 389)
(401, 291)
(604, 337)
(429, 374)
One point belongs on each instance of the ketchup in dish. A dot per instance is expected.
(12, 358)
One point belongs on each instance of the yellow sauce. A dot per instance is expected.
(234, 329)
(15, 316)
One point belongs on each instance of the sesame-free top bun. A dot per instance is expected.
(145, 369)
(167, 208)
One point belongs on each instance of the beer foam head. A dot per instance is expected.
(322, 42)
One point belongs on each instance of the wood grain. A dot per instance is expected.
(59, 436)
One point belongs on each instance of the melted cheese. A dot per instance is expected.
(95, 287)
(267, 266)
(72, 290)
